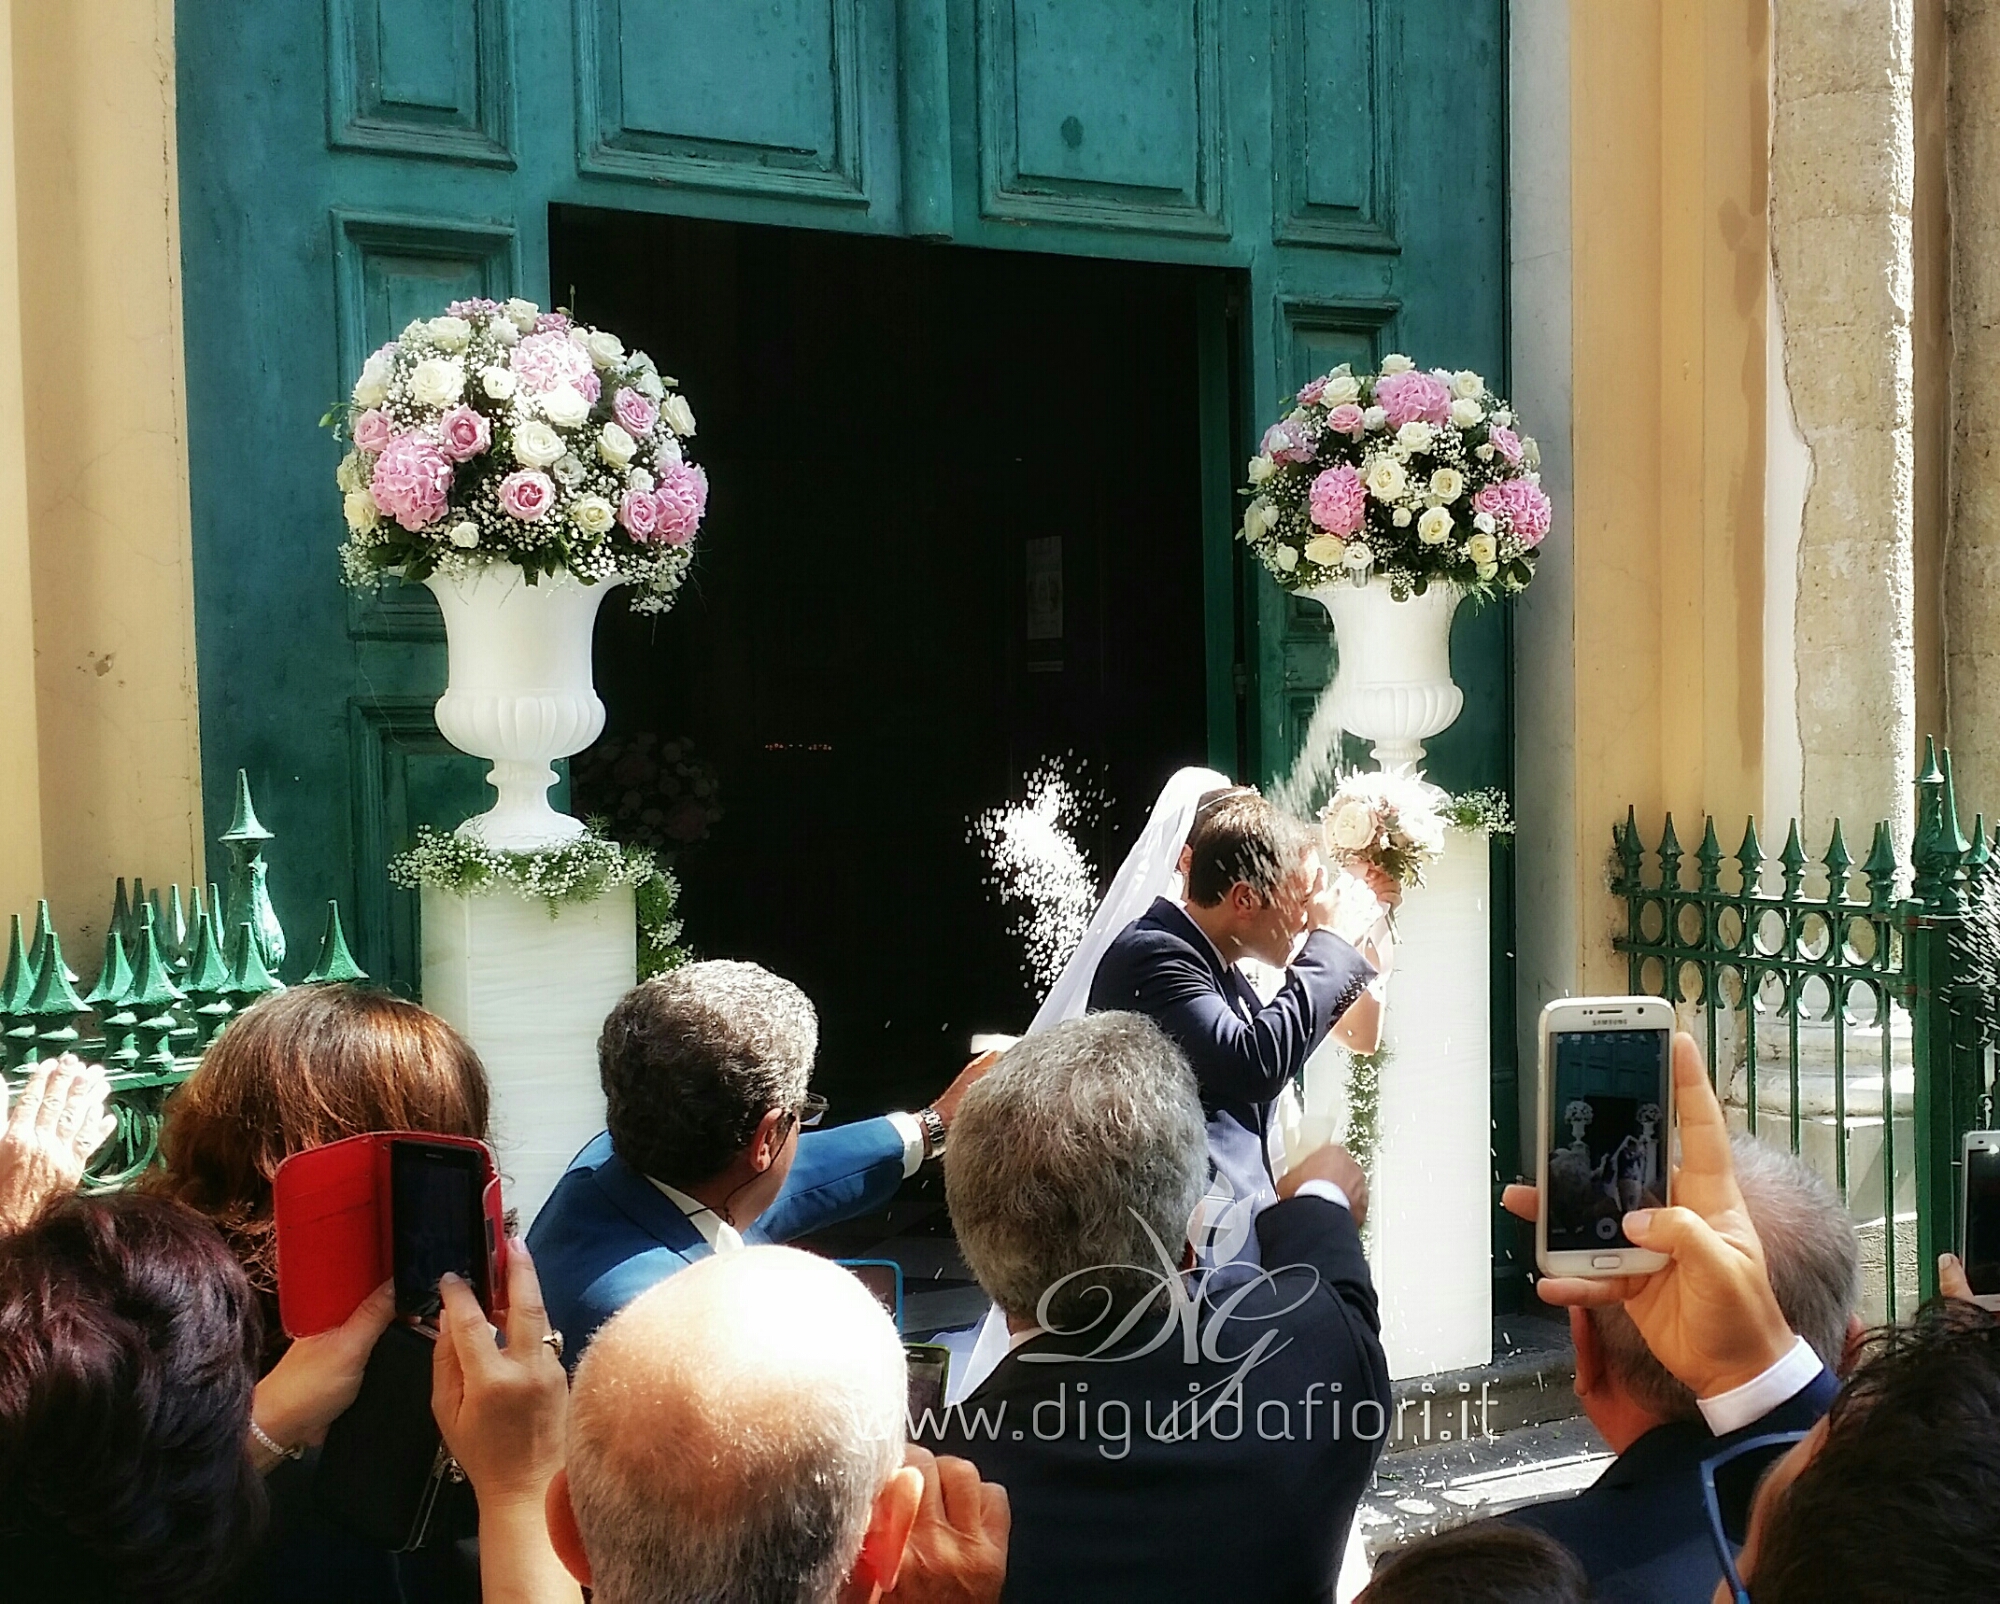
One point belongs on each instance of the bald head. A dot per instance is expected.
(729, 1432)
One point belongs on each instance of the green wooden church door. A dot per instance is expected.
(349, 165)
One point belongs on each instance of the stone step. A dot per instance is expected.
(1530, 1382)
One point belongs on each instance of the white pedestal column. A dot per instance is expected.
(1430, 1205)
(530, 993)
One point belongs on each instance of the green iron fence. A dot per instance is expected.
(173, 974)
(1854, 1022)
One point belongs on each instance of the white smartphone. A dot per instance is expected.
(1979, 1216)
(1604, 1133)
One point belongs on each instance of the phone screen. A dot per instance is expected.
(1982, 1220)
(436, 1222)
(929, 1364)
(1608, 1142)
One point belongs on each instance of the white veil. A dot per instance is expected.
(1150, 870)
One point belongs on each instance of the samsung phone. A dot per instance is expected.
(436, 1222)
(1979, 1216)
(930, 1367)
(1604, 1131)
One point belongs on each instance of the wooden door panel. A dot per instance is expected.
(1335, 122)
(421, 77)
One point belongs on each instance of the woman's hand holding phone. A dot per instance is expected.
(312, 1385)
(1710, 1316)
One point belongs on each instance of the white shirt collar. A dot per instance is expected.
(718, 1233)
(1221, 962)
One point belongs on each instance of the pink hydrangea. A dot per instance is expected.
(1505, 441)
(549, 322)
(1339, 501)
(1289, 442)
(1520, 504)
(635, 414)
(1413, 397)
(683, 497)
(1345, 419)
(464, 432)
(372, 430)
(639, 512)
(527, 494)
(477, 310)
(412, 481)
(543, 361)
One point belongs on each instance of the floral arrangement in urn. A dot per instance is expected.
(1396, 822)
(498, 432)
(1415, 477)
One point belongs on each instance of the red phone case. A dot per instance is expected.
(330, 1207)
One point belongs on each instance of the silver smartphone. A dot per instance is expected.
(1604, 1132)
(1979, 1216)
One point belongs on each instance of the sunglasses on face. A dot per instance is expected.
(812, 1110)
(1729, 1482)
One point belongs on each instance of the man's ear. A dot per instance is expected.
(564, 1537)
(881, 1557)
(769, 1139)
(1589, 1356)
(1185, 863)
(1187, 1257)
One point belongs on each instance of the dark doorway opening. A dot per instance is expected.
(955, 528)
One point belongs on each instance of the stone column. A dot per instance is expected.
(1842, 180)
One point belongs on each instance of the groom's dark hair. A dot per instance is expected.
(1238, 836)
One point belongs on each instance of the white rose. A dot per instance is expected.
(1341, 388)
(592, 514)
(579, 337)
(465, 534)
(1466, 413)
(1374, 418)
(1530, 452)
(1434, 528)
(536, 445)
(1484, 453)
(349, 475)
(372, 388)
(678, 414)
(451, 333)
(1447, 484)
(1358, 554)
(1396, 362)
(569, 470)
(1325, 550)
(1287, 559)
(1482, 549)
(1350, 826)
(1483, 522)
(667, 449)
(499, 328)
(1259, 519)
(605, 348)
(615, 446)
(1416, 435)
(497, 382)
(1488, 570)
(648, 384)
(1385, 478)
(1503, 417)
(1261, 468)
(640, 480)
(1466, 382)
(437, 381)
(358, 507)
(1400, 517)
(565, 407)
(522, 314)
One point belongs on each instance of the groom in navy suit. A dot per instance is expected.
(704, 1073)
(1253, 888)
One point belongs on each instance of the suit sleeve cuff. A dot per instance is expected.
(913, 1141)
(1757, 1397)
(1330, 1190)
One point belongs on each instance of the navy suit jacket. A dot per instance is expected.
(1243, 1053)
(1249, 1505)
(1641, 1529)
(607, 1233)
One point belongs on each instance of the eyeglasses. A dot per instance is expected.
(1729, 1482)
(811, 1110)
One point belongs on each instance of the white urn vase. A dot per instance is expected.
(519, 691)
(1394, 683)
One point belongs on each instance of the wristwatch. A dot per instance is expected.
(931, 1123)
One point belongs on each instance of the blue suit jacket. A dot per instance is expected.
(1641, 1529)
(1243, 1053)
(607, 1233)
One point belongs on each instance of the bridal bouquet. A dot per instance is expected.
(1397, 822)
(498, 432)
(1423, 478)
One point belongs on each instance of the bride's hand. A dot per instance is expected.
(1387, 888)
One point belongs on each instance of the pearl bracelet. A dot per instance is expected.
(263, 1441)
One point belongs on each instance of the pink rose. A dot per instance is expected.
(1345, 419)
(1339, 501)
(477, 310)
(1505, 441)
(635, 414)
(412, 481)
(1413, 397)
(1520, 505)
(543, 361)
(1312, 392)
(1289, 442)
(527, 494)
(639, 512)
(695, 480)
(683, 496)
(551, 322)
(372, 430)
(464, 432)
